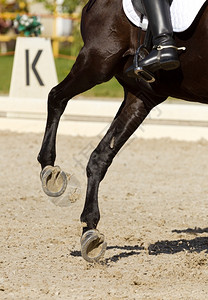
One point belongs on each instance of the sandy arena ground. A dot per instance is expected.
(154, 215)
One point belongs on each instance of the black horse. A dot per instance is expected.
(110, 42)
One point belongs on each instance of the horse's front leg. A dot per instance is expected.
(88, 70)
(97, 62)
(126, 122)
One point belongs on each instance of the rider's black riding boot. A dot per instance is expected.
(164, 53)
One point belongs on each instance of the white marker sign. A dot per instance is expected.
(34, 72)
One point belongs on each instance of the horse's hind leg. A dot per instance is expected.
(126, 122)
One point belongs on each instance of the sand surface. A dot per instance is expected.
(154, 215)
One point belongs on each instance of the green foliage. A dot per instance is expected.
(6, 63)
(63, 66)
(28, 25)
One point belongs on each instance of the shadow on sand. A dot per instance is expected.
(198, 244)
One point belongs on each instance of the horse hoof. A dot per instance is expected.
(93, 246)
(54, 181)
(62, 188)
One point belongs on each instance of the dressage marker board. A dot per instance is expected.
(34, 72)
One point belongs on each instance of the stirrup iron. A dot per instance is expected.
(138, 71)
(147, 76)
